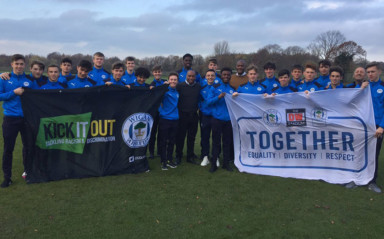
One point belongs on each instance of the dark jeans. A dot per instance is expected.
(222, 133)
(378, 147)
(188, 123)
(167, 137)
(205, 133)
(11, 128)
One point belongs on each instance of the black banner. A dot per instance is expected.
(88, 132)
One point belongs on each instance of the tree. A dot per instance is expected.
(221, 48)
(326, 44)
(294, 50)
(273, 49)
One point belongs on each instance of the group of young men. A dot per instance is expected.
(190, 99)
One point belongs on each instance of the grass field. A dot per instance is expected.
(187, 202)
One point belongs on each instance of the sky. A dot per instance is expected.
(168, 27)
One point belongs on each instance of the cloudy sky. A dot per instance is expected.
(169, 27)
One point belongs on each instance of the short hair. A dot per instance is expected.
(269, 65)
(142, 72)
(297, 67)
(226, 69)
(213, 60)
(283, 72)
(85, 64)
(372, 64)
(311, 66)
(336, 69)
(157, 68)
(98, 54)
(66, 60)
(129, 58)
(117, 65)
(39, 64)
(252, 67)
(53, 65)
(325, 62)
(210, 70)
(187, 55)
(173, 74)
(17, 57)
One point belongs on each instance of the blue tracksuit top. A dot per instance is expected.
(129, 78)
(284, 90)
(157, 83)
(203, 103)
(168, 108)
(219, 107)
(255, 88)
(63, 79)
(270, 83)
(76, 82)
(115, 82)
(99, 75)
(295, 84)
(37, 82)
(183, 75)
(136, 84)
(310, 86)
(49, 85)
(12, 102)
(377, 93)
(323, 81)
(353, 85)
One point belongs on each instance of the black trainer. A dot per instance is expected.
(228, 168)
(6, 183)
(171, 164)
(164, 166)
(213, 168)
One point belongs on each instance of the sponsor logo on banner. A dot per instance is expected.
(295, 117)
(272, 117)
(319, 117)
(136, 130)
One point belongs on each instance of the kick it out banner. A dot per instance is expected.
(88, 132)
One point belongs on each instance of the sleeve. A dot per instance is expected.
(5, 95)
(213, 96)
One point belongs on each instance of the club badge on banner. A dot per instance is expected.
(327, 135)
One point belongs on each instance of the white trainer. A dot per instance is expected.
(218, 162)
(205, 161)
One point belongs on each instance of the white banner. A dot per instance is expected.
(327, 135)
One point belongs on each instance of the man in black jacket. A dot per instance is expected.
(189, 92)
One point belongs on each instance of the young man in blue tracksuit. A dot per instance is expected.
(284, 86)
(212, 65)
(98, 73)
(66, 68)
(309, 85)
(221, 123)
(53, 72)
(270, 80)
(187, 66)
(296, 73)
(206, 116)
(13, 121)
(81, 79)
(129, 75)
(157, 72)
(253, 86)
(323, 79)
(142, 74)
(169, 122)
(117, 74)
(335, 75)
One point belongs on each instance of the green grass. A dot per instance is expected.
(187, 202)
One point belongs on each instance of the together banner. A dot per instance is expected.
(327, 135)
(88, 132)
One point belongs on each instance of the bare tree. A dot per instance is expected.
(273, 49)
(326, 44)
(221, 48)
(294, 50)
